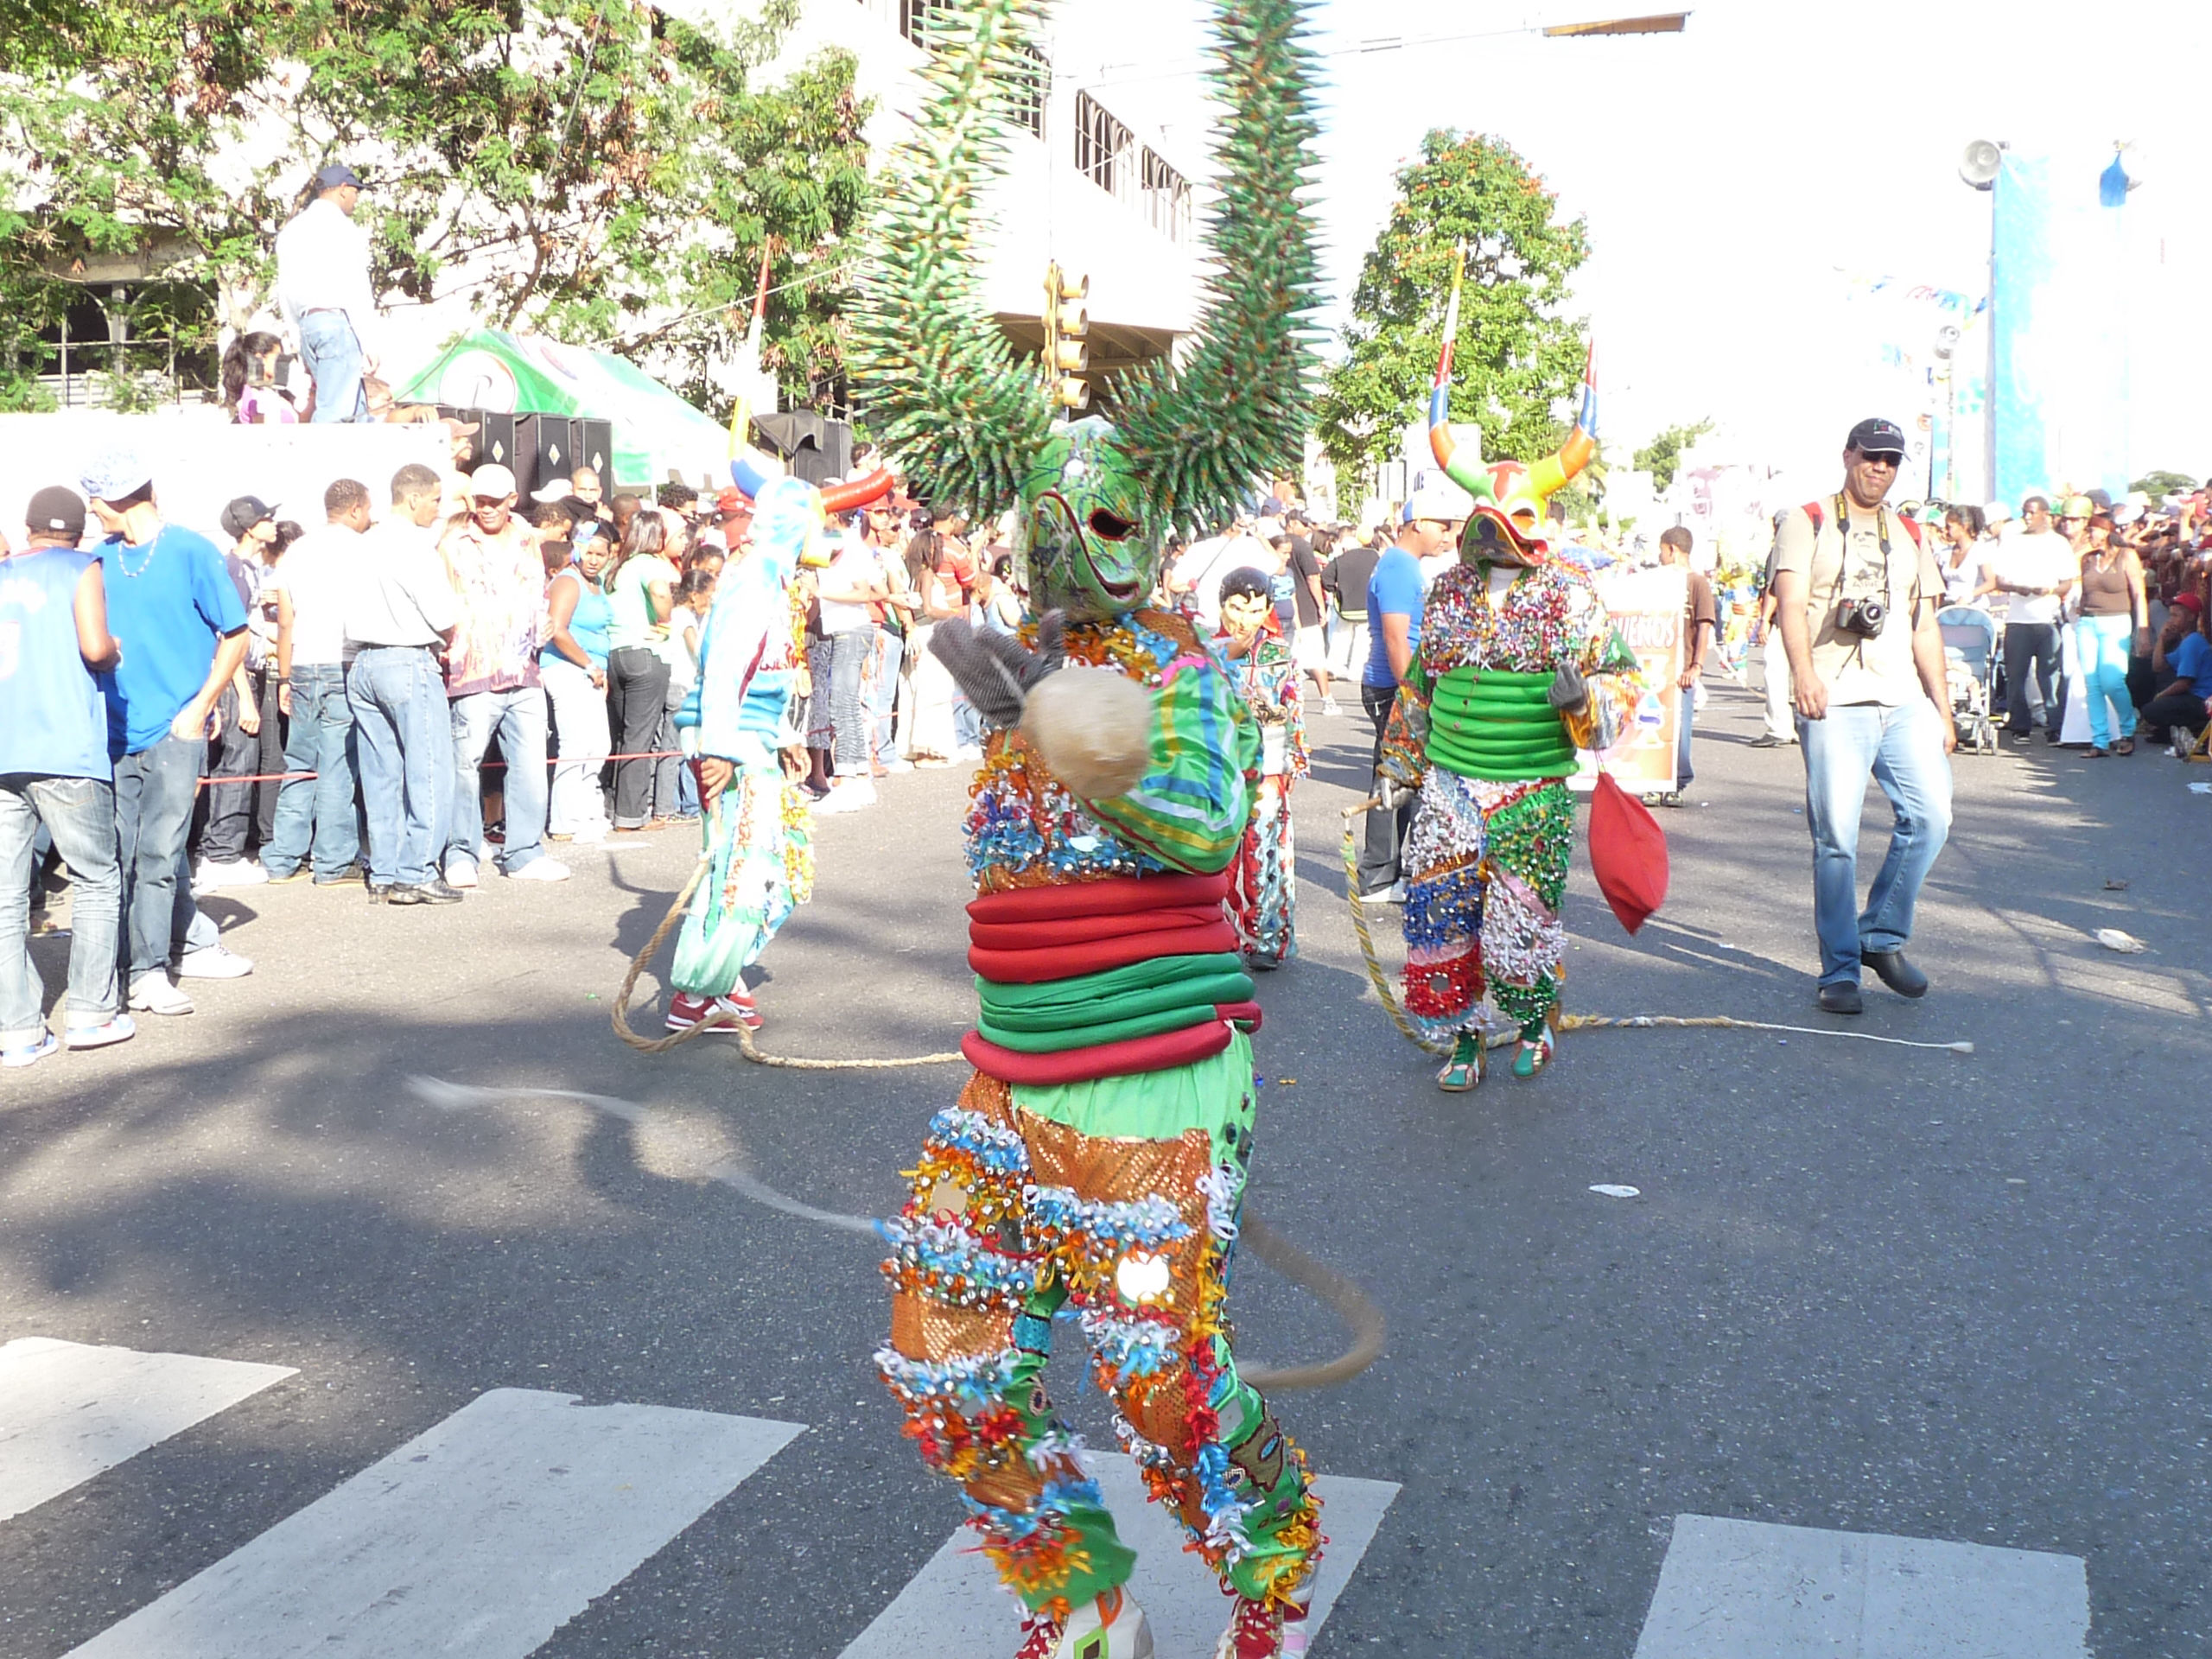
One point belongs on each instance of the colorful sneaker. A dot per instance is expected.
(116, 1028)
(1111, 1626)
(1264, 1630)
(27, 1047)
(685, 1011)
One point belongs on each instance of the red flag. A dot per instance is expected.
(1628, 851)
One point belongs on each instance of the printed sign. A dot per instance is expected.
(1647, 607)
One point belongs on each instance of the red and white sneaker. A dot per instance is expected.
(685, 1011)
(1111, 1626)
(1264, 1630)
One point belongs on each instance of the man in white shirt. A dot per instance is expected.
(322, 291)
(314, 587)
(400, 616)
(2035, 569)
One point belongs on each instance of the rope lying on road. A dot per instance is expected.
(1335, 1291)
(620, 1014)
(1381, 982)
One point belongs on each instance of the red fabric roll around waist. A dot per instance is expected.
(1115, 895)
(1032, 934)
(1121, 1059)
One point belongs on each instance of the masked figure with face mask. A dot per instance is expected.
(1094, 1165)
(1519, 666)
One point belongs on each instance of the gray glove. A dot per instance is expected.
(1390, 794)
(1570, 692)
(995, 670)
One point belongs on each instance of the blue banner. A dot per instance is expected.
(2059, 350)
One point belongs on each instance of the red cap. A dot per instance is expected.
(2188, 602)
(731, 500)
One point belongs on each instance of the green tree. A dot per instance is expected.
(2164, 482)
(1518, 359)
(593, 169)
(1662, 456)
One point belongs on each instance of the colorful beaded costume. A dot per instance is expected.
(1095, 1164)
(758, 834)
(1519, 666)
(1263, 881)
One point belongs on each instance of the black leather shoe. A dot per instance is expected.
(1894, 971)
(1841, 996)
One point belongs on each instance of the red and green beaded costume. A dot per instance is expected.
(1519, 666)
(1093, 1167)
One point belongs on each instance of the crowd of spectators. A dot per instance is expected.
(2094, 601)
(428, 685)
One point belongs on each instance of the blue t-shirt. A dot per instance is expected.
(1394, 589)
(169, 602)
(52, 723)
(2191, 660)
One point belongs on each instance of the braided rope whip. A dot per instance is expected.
(621, 1013)
(1381, 982)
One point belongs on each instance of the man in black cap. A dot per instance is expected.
(225, 813)
(322, 291)
(1856, 595)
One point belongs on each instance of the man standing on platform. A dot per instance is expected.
(322, 290)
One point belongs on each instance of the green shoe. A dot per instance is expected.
(1535, 1052)
(1464, 1069)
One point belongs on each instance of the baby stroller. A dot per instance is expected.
(1970, 674)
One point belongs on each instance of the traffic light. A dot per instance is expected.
(1067, 320)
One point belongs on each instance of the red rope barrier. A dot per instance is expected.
(488, 765)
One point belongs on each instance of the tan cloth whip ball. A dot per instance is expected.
(1093, 726)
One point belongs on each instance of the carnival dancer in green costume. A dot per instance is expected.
(1519, 665)
(1094, 1166)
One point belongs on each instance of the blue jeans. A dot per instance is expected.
(884, 706)
(154, 794)
(518, 718)
(317, 811)
(848, 710)
(332, 352)
(1903, 749)
(79, 813)
(402, 734)
(2100, 644)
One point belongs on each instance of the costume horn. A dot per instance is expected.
(1582, 447)
(843, 497)
(1468, 476)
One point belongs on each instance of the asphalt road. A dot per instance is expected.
(1864, 1288)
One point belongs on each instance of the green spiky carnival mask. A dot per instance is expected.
(973, 427)
(1088, 544)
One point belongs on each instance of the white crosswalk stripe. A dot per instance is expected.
(69, 1411)
(481, 1536)
(1747, 1590)
(954, 1609)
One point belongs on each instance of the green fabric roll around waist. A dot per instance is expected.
(1498, 725)
(1144, 999)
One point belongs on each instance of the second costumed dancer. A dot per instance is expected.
(1519, 666)
(754, 822)
(1094, 1166)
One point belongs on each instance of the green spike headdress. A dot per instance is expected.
(974, 427)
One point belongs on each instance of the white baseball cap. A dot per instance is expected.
(491, 480)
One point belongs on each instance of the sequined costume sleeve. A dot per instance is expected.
(1189, 809)
(1405, 736)
(1609, 666)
